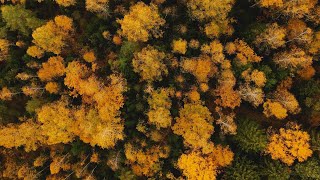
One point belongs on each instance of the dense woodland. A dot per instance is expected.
(160, 89)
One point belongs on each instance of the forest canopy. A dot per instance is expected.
(159, 89)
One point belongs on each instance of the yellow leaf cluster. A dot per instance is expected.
(179, 46)
(196, 166)
(273, 36)
(52, 36)
(52, 87)
(299, 32)
(53, 68)
(97, 6)
(5, 94)
(244, 53)
(141, 22)
(35, 51)
(27, 134)
(160, 104)
(258, 78)
(66, 3)
(202, 68)
(149, 63)
(289, 145)
(56, 122)
(209, 10)
(288, 100)
(93, 130)
(146, 162)
(251, 94)
(295, 58)
(227, 96)
(215, 50)
(89, 56)
(315, 45)
(274, 108)
(291, 8)
(4, 49)
(102, 125)
(194, 124)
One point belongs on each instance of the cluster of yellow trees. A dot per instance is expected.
(186, 88)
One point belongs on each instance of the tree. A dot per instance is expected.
(244, 53)
(226, 122)
(194, 124)
(52, 36)
(195, 165)
(242, 168)
(56, 122)
(289, 8)
(227, 96)
(91, 128)
(179, 46)
(294, 59)
(315, 44)
(250, 136)
(309, 169)
(6, 94)
(299, 32)
(290, 144)
(4, 49)
(275, 170)
(252, 94)
(18, 18)
(146, 161)
(98, 6)
(160, 104)
(288, 100)
(272, 38)
(35, 51)
(141, 23)
(52, 87)
(66, 3)
(201, 67)
(27, 134)
(274, 108)
(51, 69)
(214, 12)
(149, 63)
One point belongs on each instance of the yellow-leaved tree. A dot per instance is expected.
(27, 134)
(149, 63)
(93, 130)
(56, 122)
(160, 104)
(194, 124)
(196, 165)
(203, 68)
(53, 68)
(147, 160)
(290, 144)
(53, 36)
(272, 38)
(141, 23)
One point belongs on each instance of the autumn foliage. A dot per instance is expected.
(159, 89)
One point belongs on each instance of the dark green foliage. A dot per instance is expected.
(275, 170)
(18, 18)
(309, 88)
(315, 140)
(250, 136)
(242, 169)
(273, 77)
(33, 104)
(309, 169)
(78, 147)
(126, 55)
